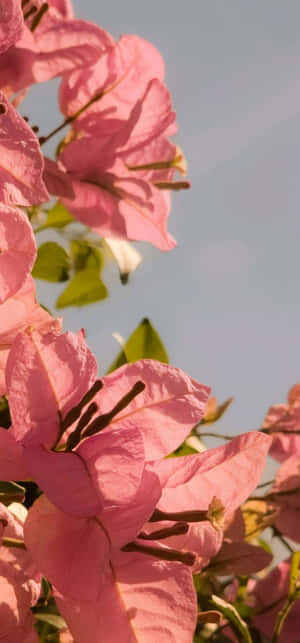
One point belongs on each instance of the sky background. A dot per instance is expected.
(226, 300)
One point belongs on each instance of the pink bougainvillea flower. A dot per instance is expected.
(47, 374)
(280, 422)
(56, 180)
(192, 483)
(19, 581)
(21, 160)
(55, 546)
(270, 594)
(11, 23)
(165, 411)
(121, 76)
(18, 313)
(51, 44)
(142, 600)
(239, 558)
(285, 498)
(111, 194)
(17, 251)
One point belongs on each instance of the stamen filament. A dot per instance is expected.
(103, 420)
(37, 19)
(172, 185)
(185, 516)
(75, 437)
(75, 412)
(175, 530)
(187, 558)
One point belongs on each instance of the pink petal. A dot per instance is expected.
(16, 620)
(17, 251)
(65, 480)
(281, 418)
(70, 552)
(124, 524)
(21, 160)
(57, 181)
(11, 23)
(115, 463)
(171, 404)
(12, 464)
(129, 67)
(16, 314)
(129, 208)
(270, 590)
(142, 601)
(229, 472)
(240, 558)
(288, 479)
(46, 374)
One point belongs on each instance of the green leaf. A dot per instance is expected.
(52, 619)
(52, 263)
(11, 492)
(144, 342)
(5, 420)
(238, 625)
(57, 217)
(86, 256)
(86, 287)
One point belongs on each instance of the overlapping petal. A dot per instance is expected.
(47, 374)
(171, 404)
(17, 251)
(21, 165)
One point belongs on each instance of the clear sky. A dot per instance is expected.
(226, 301)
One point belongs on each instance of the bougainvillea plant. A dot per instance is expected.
(117, 524)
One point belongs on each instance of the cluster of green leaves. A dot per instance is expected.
(81, 264)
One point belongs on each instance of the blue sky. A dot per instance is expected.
(226, 300)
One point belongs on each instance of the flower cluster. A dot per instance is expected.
(116, 524)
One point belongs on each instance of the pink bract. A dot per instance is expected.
(165, 412)
(57, 45)
(17, 251)
(142, 601)
(21, 160)
(11, 23)
(46, 374)
(281, 418)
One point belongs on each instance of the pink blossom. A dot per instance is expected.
(51, 44)
(11, 23)
(47, 374)
(281, 420)
(19, 581)
(111, 194)
(17, 251)
(121, 75)
(190, 483)
(165, 412)
(285, 497)
(142, 600)
(270, 594)
(21, 160)
(18, 313)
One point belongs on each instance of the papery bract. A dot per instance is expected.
(11, 23)
(270, 594)
(142, 601)
(21, 160)
(17, 251)
(281, 421)
(285, 497)
(46, 374)
(165, 412)
(56, 45)
(18, 313)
